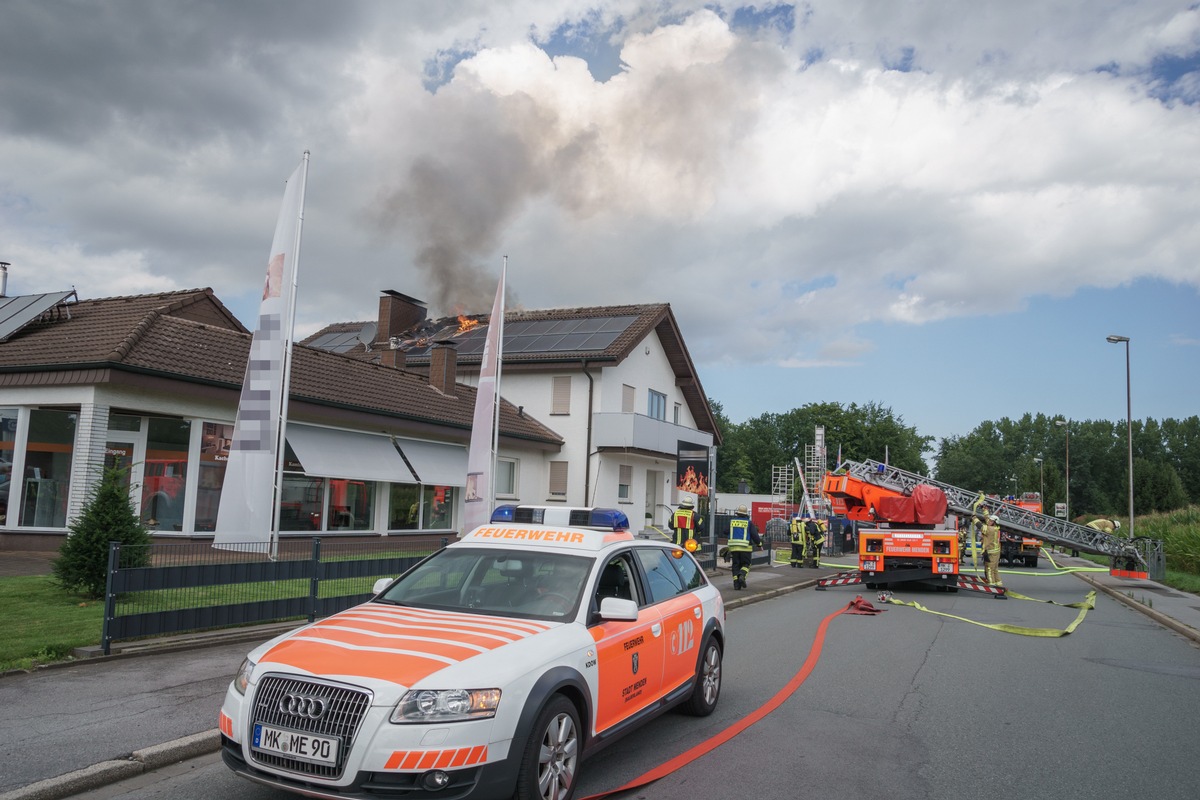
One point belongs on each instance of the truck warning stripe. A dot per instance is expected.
(406, 760)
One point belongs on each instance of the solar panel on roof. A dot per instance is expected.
(337, 342)
(17, 312)
(599, 341)
(591, 325)
(544, 336)
(565, 326)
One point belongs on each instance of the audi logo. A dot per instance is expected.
(301, 705)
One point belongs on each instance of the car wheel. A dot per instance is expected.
(550, 763)
(707, 690)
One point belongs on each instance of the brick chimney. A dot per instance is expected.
(397, 313)
(443, 367)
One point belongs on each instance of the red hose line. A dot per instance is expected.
(713, 742)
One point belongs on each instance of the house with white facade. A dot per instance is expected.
(616, 383)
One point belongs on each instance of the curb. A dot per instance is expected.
(1185, 631)
(109, 772)
(745, 600)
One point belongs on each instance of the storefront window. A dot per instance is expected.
(301, 503)
(351, 505)
(440, 503)
(214, 456)
(404, 507)
(48, 468)
(8, 437)
(164, 478)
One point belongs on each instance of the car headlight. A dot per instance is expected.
(446, 705)
(242, 679)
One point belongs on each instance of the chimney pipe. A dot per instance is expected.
(4, 265)
(443, 367)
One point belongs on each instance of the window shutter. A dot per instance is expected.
(624, 479)
(558, 478)
(560, 400)
(628, 398)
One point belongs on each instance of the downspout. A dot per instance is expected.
(587, 456)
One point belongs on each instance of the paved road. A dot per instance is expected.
(69, 719)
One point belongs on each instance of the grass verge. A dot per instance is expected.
(42, 623)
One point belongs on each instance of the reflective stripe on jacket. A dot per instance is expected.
(739, 534)
(685, 520)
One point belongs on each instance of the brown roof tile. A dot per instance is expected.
(161, 335)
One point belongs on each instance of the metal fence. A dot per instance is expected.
(174, 588)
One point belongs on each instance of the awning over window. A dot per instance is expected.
(436, 464)
(345, 454)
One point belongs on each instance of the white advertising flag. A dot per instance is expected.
(478, 502)
(246, 516)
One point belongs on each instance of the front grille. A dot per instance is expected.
(345, 710)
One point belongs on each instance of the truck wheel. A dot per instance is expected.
(549, 766)
(707, 690)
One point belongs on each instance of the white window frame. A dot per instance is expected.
(656, 405)
(513, 490)
(625, 483)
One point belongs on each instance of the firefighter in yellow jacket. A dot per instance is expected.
(685, 522)
(743, 538)
(796, 531)
(814, 537)
(991, 550)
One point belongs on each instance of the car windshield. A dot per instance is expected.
(488, 581)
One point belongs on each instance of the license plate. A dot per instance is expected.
(294, 744)
(946, 568)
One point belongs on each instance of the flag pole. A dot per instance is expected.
(289, 325)
(496, 398)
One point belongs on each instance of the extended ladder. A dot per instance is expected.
(1147, 553)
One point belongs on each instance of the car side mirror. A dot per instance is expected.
(381, 584)
(618, 609)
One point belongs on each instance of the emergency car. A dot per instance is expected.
(490, 669)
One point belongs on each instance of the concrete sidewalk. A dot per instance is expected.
(112, 701)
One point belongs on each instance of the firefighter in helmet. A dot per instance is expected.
(1105, 525)
(814, 537)
(796, 534)
(991, 550)
(685, 522)
(743, 538)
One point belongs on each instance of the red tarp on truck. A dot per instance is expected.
(925, 506)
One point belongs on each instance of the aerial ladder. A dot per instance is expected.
(1139, 558)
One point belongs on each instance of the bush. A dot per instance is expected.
(107, 516)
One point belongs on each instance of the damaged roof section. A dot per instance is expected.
(545, 339)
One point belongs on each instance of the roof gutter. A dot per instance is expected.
(587, 454)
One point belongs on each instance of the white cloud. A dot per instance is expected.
(1021, 155)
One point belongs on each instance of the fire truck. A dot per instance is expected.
(912, 543)
(1015, 547)
(869, 480)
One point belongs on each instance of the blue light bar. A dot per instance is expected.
(609, 518)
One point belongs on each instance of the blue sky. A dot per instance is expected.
(847, 200)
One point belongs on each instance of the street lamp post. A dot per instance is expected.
(1041, 483)
(1114, 339)
(1066, 423)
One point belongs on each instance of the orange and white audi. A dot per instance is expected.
(489, 670)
